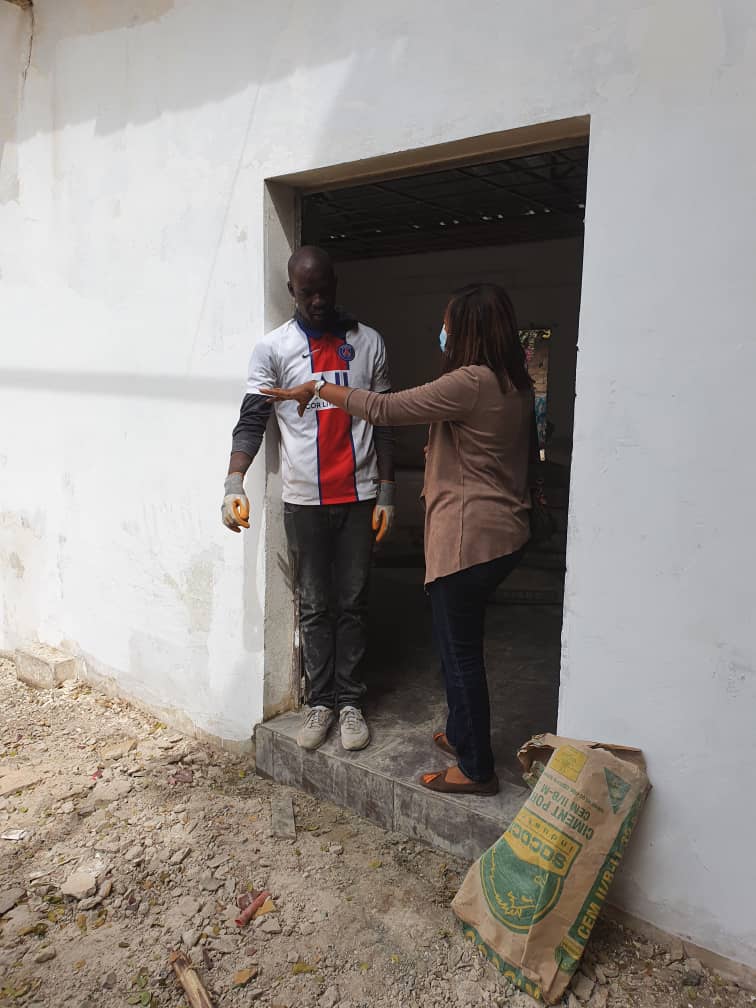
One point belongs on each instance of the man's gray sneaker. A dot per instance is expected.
(314, 731)
(355, 733)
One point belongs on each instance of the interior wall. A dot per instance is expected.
(133, 290)
(404, 298)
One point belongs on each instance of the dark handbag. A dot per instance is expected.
(542, 523)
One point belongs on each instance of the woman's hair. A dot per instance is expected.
(481, 328)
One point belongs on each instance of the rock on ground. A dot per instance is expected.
(80, 884)
(582, 986)
(10, 897)
(109, 791)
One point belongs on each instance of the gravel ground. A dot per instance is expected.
(138, 841)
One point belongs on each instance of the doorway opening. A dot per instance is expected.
(402, 245)
(406, 229)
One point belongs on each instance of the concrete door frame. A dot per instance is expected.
(282, 228)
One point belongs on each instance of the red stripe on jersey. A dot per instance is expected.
(336, 465)
(335, 457)
(324, 353)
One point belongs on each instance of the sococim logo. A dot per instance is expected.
(523, 874)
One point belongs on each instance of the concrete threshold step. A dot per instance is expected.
(379, 784)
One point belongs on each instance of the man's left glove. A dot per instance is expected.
(383, 512)
(235, 506)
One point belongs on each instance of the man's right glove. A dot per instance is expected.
(235, 507)
(384, 510)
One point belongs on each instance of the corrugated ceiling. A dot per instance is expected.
(532, 198)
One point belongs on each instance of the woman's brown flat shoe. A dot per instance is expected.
(444, 745)
(438, 782)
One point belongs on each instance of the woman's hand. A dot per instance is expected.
(301, 394)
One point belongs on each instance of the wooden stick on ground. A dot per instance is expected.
(186, 975)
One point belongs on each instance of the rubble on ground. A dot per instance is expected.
(139, 842)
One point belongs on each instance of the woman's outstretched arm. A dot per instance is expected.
(450, 397)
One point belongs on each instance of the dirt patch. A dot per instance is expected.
(159, 838)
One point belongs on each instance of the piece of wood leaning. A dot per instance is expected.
(187, 976)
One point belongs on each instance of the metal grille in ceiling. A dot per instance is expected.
(532, 198)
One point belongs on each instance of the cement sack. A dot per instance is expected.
(530, 902)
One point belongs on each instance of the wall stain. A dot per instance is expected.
(733, 670)
(737, 674)
(195, 589)
(199, 581)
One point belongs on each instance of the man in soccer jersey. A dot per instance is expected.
(338, 486)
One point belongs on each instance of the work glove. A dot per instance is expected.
(235, 507)
(383, 512)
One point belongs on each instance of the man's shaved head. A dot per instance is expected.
(310, 257)
(312, 284)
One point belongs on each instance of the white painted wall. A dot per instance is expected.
(14, 50)
(133, 287)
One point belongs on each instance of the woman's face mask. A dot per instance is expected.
(442, 337)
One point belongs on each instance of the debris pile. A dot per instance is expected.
(142, 868)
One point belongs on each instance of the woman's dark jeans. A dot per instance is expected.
(459, 613)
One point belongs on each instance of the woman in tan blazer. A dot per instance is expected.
(477, 500)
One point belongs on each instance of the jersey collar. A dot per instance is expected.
(340, 326)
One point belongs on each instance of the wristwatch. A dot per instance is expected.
(319, 385)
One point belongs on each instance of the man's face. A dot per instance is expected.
(313, 287)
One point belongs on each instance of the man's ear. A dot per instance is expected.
(290, 289)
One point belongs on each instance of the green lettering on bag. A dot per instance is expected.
(571, 949)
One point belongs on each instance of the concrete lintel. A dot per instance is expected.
(523, 140)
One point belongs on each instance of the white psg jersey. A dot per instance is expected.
(327, 456)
